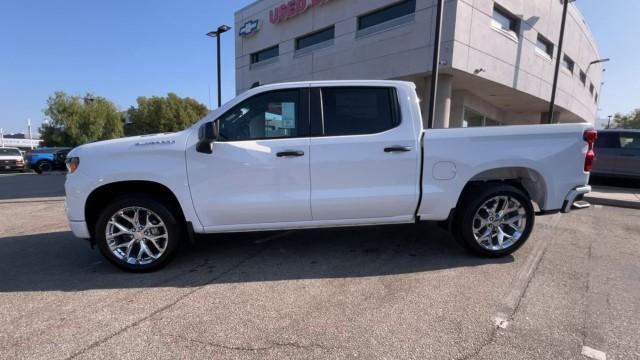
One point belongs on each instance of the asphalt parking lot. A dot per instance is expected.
(401, 292)
(15, 185)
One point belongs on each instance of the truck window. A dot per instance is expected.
(358, 111)
(630, 141)
(9, 152)
(607, 140)
(265, 116)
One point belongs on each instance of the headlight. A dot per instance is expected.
(72, 164)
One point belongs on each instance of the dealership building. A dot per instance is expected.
(497, 57)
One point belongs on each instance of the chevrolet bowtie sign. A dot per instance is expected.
(249, 28)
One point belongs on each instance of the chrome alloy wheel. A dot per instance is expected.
(499, 223)
(136, 235)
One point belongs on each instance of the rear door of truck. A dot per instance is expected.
(364, 155)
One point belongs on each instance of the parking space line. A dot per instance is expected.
(593, 353)
(507, 309)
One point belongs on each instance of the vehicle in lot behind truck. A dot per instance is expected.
(11, 159)
(322, 154)
(47, 159)
(618, 153)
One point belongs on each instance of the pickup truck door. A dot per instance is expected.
(607, 150)
(364, 156)
(628, 161)
(258, 172)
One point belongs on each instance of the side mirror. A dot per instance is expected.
(207, 134)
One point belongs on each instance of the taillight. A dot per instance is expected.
(590, 137)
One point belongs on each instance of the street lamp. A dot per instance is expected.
(216, 34)
(597, 62)
(552, 103)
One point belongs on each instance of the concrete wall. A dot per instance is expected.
(393, 53)
(517, 63)
(405, 52)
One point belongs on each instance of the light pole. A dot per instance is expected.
(436, 63)
(554, 88)
(216, 34)
(609, 122)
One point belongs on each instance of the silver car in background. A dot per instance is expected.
(617, 154)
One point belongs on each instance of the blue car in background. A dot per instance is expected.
(47, 159)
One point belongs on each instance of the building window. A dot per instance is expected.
(568, 63)
(473, 118)
(592, 89)
(504, 20)
(545, 45)
(596, 98)
(583, 78)
(266, 54)
(319, 38)
(387, 14)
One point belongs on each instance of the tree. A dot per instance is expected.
(627, 121)
(163, 114)
(75, 121)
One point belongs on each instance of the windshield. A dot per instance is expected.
(9, 152)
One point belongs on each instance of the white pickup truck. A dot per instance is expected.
(322, 154)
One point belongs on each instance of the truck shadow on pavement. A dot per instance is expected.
(59, 262)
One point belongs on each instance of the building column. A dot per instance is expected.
(443, 100)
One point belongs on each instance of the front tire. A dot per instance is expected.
(137, 233)
(494, 219)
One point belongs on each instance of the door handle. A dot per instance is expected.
(290, 153)
(397, 148)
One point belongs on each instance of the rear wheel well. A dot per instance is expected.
(103, 195)
(525, 179)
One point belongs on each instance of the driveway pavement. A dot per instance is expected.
(402, 292)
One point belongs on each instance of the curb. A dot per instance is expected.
(31, 200)
(613, 202)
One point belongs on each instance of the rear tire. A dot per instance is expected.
(494, 219)
(44, 167)
(137, 243)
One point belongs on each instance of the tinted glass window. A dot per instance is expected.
(9, 152)
(265, 116)
(504, 20)
(389, 13)
(607, 140)
(315, 38)
(568, 63)
(583, 77)
(475, 119)
(545, 45)
(354, 111)
(265, 54)
(630, 141)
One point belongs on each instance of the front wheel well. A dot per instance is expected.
(103, 195)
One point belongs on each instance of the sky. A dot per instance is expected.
(122, 49)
